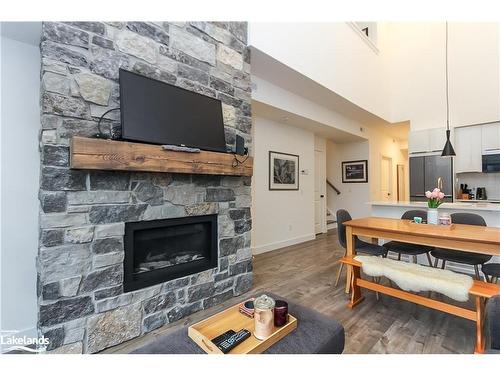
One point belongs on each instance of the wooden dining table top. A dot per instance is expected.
(461, 232)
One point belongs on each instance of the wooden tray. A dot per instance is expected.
(203, 332)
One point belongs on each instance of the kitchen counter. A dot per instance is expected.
(461, 205)
(478, 200)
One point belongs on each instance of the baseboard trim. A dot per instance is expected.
(280, 244)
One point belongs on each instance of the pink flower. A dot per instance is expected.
(441, 195)
(428, 194)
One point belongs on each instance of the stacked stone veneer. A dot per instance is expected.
(82, 307)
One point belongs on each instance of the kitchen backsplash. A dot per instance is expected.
(491, 181)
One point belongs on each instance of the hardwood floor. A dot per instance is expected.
(306, 273)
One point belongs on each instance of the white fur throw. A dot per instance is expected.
(417, 278)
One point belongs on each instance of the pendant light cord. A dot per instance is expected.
(447, 88)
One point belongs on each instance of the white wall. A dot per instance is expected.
(332, 54)
(379, 142)
(405, 80)
(281, 218)
(416, 64)
(353, 196)
(20, 123)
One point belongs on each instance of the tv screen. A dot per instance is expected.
(160, 113)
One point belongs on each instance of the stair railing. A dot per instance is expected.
(333, 187)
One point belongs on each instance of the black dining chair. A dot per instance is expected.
(361, 247)
(491, 272)
(462, 257)
(409, 248)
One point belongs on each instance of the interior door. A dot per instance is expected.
(386, 178)
(319, 191)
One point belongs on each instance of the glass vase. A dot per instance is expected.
(432, 216)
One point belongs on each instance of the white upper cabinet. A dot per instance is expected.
(474, 75)
(418, 141)
(491, 137)
(468, 149)
(428, 140)
(437, 139)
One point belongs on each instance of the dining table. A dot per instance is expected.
(471, 238)
(461, 237)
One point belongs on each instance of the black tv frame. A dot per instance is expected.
(147, 141)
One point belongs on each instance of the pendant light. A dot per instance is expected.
(448, 148)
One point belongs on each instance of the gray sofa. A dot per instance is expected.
(493, 324)
(315, 334)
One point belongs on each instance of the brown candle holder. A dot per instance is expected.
(280, 313)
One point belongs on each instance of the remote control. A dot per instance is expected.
(223, 337)
(230, 343)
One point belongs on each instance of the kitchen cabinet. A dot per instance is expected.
(427, 140)
(468, 149)
(490, 137)
(418, 141)
(437, 139)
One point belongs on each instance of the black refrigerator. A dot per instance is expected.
(424, 174)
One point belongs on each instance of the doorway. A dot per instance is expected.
(400, 171)
(320, 186)
(386, 178)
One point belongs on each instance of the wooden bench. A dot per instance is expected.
(480, 290)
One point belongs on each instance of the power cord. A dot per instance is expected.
(237, 161)
(100, 134)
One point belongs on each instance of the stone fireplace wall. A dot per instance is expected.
(82, 307)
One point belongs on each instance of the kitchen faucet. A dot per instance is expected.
(440, 183)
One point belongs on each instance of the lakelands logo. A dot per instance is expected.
(10, 341)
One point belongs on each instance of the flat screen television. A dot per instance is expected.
(160, 113)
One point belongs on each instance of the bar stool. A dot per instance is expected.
(409, 248)
(463, 257)
(491, 272)
(360, 246)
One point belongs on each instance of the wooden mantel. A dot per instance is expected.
(102, 154)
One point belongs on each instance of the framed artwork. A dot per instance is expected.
(283, 171)
(355, 171)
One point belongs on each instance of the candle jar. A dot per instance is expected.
(263, 317)
(280, 313)
(445, 219)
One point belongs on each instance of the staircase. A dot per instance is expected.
(331, 222)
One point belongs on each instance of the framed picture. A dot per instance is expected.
(355, 171)
(283, 171)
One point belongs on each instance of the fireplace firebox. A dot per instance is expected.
(160, 250)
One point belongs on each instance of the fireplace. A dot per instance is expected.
(162, 250)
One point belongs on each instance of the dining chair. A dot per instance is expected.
(409, 248)
(491, 272)
(359, 245)
(462, 257)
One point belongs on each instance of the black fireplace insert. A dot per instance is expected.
(160, 250)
